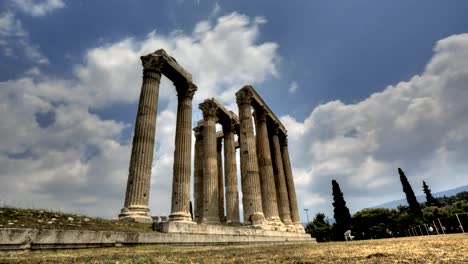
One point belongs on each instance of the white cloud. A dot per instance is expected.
(216, 10)
(293, 87)
(418, 125)
(38, 7)
(13, 39)
(75, 160)
(10, 26)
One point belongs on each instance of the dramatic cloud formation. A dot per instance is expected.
(55, 152)
(419, 125)
(38, 7)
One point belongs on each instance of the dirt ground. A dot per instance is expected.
(427, 249)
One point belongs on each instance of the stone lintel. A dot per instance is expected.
(257, 101)
(171, 69)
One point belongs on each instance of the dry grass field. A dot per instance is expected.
(427, 249)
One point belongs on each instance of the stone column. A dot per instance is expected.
(219, 158)
(180, 209)
(198, 175)
(283, 203)
(141, 160)
(294, 211)
(210, 171)
(230, 174)
(251, 191)
(267, 180)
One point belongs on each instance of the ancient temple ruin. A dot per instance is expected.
(268, 194)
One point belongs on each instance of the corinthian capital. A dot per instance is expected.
(260, 114)
(244, 96)
(198, 132)
(185, 89)
(152, 63)
(275, 129)
(208, 108)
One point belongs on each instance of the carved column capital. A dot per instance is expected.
(260, 114)
(198, 132)
(208, 108)
(285, 140)
(275, 130)
(244, 96)
(151, 63)
(185, 89)
(229, 125)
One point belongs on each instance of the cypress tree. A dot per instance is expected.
(430, 200)
(341, 211)
(413, 204)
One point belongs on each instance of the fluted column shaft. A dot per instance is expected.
(283, 203)
(251, 191)
(180, 209)
(198, 176)
(267, 180)
(293, 207)
(219, 158)
(141, 159)
(230, 171)
(210, 172)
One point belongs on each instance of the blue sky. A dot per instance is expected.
(358, 84)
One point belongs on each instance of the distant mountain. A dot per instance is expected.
(422, 198)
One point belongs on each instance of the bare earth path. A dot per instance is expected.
(427, 249)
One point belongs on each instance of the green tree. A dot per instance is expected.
(341, 212)
(319, 228)
(414, 206)
(430, 200)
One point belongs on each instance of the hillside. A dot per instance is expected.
(422, 198)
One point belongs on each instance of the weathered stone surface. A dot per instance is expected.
(290, 187)
(198, 175)
(251, 198)
(230, 171)
(210, 172)
(183, 234)
(139, 176)
(269, 202)
(180, 209)
(283, 203)
(219, 145)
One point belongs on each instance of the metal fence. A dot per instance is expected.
(457, 223)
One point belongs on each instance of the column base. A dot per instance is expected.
(139, 214)
(257, 219)
(180, 217)
(275, 224)
(233, 223)
(299, 228)
(210, 221)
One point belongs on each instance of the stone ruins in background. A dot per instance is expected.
(268, 193)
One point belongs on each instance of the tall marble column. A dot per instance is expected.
(180, 209)
(141, 160)
(283, 203)
(198, 175)
(267, 180)
(219, 158)
(290, 185)
(251, 191)
(210, 171)
(230, 174)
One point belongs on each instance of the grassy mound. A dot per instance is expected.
(43, 219)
